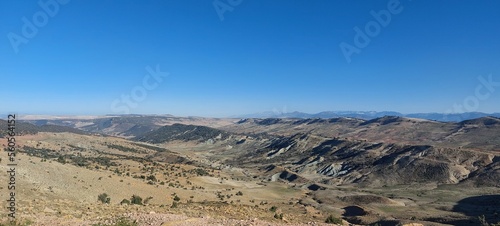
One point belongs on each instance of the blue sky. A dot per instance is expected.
(263, 55)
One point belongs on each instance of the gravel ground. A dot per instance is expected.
(157, 219)
(153, 219)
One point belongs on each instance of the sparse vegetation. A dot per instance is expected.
(182, 132)
(104, 198)
(120, 222)
(483, 222)
(26, 222)
(125, 201)
(76, 148)
(147, 199)
(41, 152)
(136, 200)
(158, 149)
(80, 161)
(123, 148)
(333, 220)
(151, 178)
(199, 172)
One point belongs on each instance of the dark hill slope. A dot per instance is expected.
(60, 129)
(23, 128)
(182, 132)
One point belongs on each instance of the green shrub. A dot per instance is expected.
(123, 148)
(176, 198)
(333, 220)
(151, 178)
(273, 208)
(61, 159)
(200, 172)
(136, 200)
(104, 198)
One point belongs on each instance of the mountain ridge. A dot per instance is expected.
(368, 115)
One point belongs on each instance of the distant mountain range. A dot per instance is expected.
(367, 115)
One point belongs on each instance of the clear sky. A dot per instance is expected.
(230, 57)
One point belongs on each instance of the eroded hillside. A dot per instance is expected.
(387, 170)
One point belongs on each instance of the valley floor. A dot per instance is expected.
(61, 175)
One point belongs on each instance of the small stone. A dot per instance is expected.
(48, 210)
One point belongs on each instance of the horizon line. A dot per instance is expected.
(34, 116)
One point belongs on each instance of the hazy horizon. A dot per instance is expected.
(267, 114)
